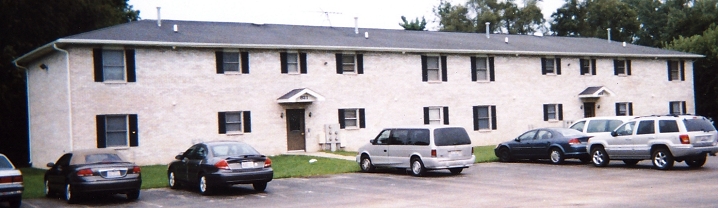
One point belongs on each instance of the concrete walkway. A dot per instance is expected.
(322, 154)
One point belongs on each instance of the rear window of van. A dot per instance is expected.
(451, 136)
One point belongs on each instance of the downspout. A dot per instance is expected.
(27, 97)
(69, 93)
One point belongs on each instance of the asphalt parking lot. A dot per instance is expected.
(521, 184)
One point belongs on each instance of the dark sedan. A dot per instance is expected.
(92, 171)
(213, 165)
(555, 144)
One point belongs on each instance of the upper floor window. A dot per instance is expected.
(482, 69)
(352, 118)
(114, 65)
(433, 68)
(436, 115)
(676, 70)
(677, 107)
(232, 62)
(552, 112)
(485, 117)
(350, 63)
(588, 66)
(551, 66)
(293, 63)
(624, 109)
(117, 130)
(621, 67)
(235, 122)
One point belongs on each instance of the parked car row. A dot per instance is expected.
(11, 183)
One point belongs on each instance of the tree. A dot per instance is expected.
(413, 25)
(592, 18)
(504, 17)
(26, 25)
(569, 19)
(453, 18)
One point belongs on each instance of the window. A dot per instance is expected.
(232, 62)
(117, 131)
(676, 70)
(235, 122)
(352, 118)
(451, 136)
(551, 66)
(578, 126)
(433, 68)
(602, 125)
(350, 63)
(293, 63)
(621, 67)
(399, 137)
(552, 112)
(624, 109)
(482, 69)
(114, 65)
(544, 135)
(646, 127)
(436, 115)
(667, 126)
(484, 117)
(588, 66)
(626, 129)
(382, 138)
(528, 136)
(677, 107)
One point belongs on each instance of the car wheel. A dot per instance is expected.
(599, 157)
(204, 187)
(631, 162)
(15, 203)
(133, 195)
(505, 155)
(696, 162)
(662, 159)
(48, 192)
(366, 165)
(456, 171)
(260, 186)
(172, 180)
(70, 195)
(556, 156)
(417, 167)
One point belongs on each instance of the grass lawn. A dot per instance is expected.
(485, 154)
(342, 152)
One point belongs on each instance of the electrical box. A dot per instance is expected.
(332, 137)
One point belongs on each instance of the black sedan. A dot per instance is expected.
(213, 165)
(92, 171)
(555, 144)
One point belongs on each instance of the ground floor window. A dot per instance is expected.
(677, 107)
(552, 112)
(117, 130)
(436, 115)
(484, 117)
(235, 122)
(352, 118)
(624, 109)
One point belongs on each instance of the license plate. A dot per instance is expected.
(704, 138)
(113, 174)
(248, 165)
(455, 153)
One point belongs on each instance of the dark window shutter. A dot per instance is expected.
(670, 108)
(491, 69)
(219, 56)
(618, 109)
(473, 69)
(424, 73)
(339, 63)
(245, 62)
(560, 112)
(446, 115)
(101, 133)
(283, 60)
(426, 115)
(593, 66)
(493, 117)
(545, 112)
(341, 119)
(303, 60)
(558, 66)
(683, 70)
(134, 140)
(97, 59)
(362, 120)
(543, 65)
(615, 67)
(360, 63)
(222, 123)
(444, 70)
(130, 62)
(628, 67)
(476, 117)
(580, 66)
(683, 108)
(247, 120)
(630, 109)
(669, 70)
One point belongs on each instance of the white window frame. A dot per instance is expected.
(105, 65)
(225, 61)
(488, 118)
(240, 122)
(353, 64)
(553, 107)
(109, 131)
(294, 63)
(551, 60)
(429, 69)
(624, 66)
(677, 106)
(675, 70)
(485, 60)
(440, 119)
(355, 118)
(586, 61)
(622, 109)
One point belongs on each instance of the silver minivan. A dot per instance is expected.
(418, 148)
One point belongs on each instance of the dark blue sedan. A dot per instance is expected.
(555, 144)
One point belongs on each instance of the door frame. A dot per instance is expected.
(289, 112)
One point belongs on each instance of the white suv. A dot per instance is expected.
(595, 126)
(663, 139)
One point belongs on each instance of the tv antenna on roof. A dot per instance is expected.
(326, 15)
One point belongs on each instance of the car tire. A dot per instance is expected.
(417, 167)
(456, 171)
(662, 159)
(556, 156)
(172, 180)
(599, 157)
(203, 186)
(504, 155)
(15, 203)
(133, 195)
(48, 192)
(260, 186)
(696, 162)
(70, 195)
(630, 162)
(366, 165)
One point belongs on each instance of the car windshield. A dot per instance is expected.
(102, 158)
(236, 149)
(603, 125)
(451, 136)
(5, 163)
(698, 124)
(570, 133)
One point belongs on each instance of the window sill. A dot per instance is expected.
(114, 82)
(234, 133)
(551, 74)
(554, 121)
(434, 82)
(118, 148)
(482, 81)
(232, 73)
(484, 130)
(622, 75)
(351, 128)
(350, 73)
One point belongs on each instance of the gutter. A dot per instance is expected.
(29, 124)
(69, 93)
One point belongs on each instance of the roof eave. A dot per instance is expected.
(40, 51)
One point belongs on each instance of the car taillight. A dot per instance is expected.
(17, 179)
(472, 150)
(6, 179)
(136, 169)
(268, 163)
(84, 172)
(222, 164)
(685, 139)
(433, 153)
(574, 141)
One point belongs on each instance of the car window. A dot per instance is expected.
(578, 126)
(451, 136)
(544, 135)
(200, 153)
(418, 137)
(667, 126)
(382, 138)
(232, 149)
(626, 129)
(189, 151)
(646, 127)
(399, 136)
(698, 124)
(64, 160)
(528, 135)
(102, 158)
(602, 125)
(5, 163)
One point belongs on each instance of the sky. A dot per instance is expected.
(384, 14)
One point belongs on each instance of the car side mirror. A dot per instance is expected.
(49, 165)
(179, 157)
(517, 139)
(372, 141)
(614, 134)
